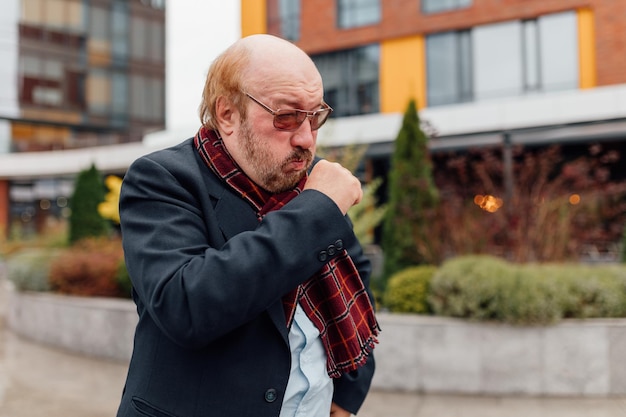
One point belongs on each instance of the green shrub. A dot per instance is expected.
(471, 286)
(593, 291)
(29, 269)
(487, 288)
(532, 298)
(623, 246)
(85, 221)
(407, 290)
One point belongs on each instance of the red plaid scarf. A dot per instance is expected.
(334, 299)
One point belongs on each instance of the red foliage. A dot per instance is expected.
(538, 220)
(88, 268)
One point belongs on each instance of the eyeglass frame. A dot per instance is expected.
(307, 114)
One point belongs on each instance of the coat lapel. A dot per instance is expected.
(234, 216)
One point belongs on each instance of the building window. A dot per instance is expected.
(147, 37)
(289, 11)
(435, 6)
(99, 92)
(99, 31)
(503, 60)
(355, 13)
(351, 80)
(57, 14)
(119, 100)
(48, 82)
(147, 98)
(120, 23)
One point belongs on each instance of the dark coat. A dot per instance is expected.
(208, 278)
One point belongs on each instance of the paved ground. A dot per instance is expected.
(39, 381)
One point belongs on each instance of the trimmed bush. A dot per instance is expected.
(487, 288)
(593, 291)
(471, 286)
(88, 268)
(407, 291)
(29, 269)
(532, 298)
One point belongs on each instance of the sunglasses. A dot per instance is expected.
(291, 119)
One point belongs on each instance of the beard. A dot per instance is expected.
(273, 174)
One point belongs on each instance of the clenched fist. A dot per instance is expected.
(337, 183)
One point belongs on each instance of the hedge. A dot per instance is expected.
(481, 287)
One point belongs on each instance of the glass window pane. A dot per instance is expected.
(290, 19)
(434, 6)
(138, 96)
(32, 11)
(119, 30)
(497, 60)
(75, 15)
(138, 27)
(53, 70)
(442, 67)
(559, 51)
(55, 13)
(156, 41)
(31, 65)
(354, 13)
(99, 92)
(466, 84)
(351, 80)
(120, 93)
(531, 56)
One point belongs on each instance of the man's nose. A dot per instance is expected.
(304, 136)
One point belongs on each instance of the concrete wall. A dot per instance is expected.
(101, 327)
(437, 354)
(415, 353)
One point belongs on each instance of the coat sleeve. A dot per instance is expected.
(195, 285)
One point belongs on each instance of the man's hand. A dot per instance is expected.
(336, 411)
(337, 183)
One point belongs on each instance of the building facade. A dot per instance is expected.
(76, 74)
(511, 76)
(481, 71)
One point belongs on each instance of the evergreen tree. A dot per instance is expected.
(413, 198)
(623, 254)
(85, 221)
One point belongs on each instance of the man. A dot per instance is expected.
(250, 285)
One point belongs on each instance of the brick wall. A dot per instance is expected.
(403, 18)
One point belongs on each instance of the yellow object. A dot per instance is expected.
(402, 73)
(109, 208)
(586, 48)
(253, 17)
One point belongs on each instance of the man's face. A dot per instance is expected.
(276, 164)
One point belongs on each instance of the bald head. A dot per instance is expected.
(274, 59)
(260, 64)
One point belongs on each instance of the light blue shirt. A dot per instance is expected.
(309, 391)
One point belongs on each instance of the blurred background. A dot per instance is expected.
(477, 127)
(103, 82)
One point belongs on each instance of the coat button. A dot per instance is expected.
(339, 244)
(270, 395)
(322, 256)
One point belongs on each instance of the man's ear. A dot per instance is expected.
(227, 115)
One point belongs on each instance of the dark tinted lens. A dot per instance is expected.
(288, 120)
(319, 119)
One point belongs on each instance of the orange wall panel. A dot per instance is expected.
(253, 17)
(402, 74)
